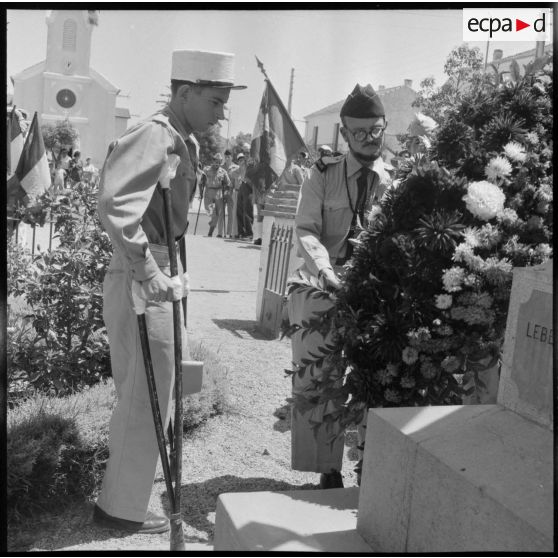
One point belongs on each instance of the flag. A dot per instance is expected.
(275, 139)
(32, 176)
(15, 141)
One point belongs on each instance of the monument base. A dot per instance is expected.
(456, 479)
(293, 521)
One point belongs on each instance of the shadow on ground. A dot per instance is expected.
(72, 526)
(240, 327)
(199, 500)
(283, 413)
(250, 247)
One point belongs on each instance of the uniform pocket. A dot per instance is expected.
(336, 218)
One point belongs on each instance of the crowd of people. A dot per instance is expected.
(231, 196)
(69, 169)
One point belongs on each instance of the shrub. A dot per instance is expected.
(57, 447)
(214, 398)
(68, 347)
(56, 450)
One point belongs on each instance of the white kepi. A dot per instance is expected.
(215, 69)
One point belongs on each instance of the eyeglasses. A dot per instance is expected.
(361, 134)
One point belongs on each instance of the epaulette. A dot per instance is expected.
(324, 162)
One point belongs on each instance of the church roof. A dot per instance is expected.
(102, 80)
(37, 68)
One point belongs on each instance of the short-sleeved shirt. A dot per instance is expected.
(291, 175)
(217, 178)
(324, 214)
(131, 203)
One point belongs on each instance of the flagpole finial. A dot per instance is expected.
(261, 67)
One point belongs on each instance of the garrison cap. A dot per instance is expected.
(363, 102)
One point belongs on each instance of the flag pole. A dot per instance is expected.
(261, 67)
(8, 143)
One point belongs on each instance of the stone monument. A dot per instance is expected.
(462, 478)
(477, 477)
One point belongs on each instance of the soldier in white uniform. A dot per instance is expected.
(333, 202)
(131, 211)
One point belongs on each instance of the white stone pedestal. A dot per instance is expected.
(293, 521)
(456, 479)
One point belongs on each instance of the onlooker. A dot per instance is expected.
(244, 209)
(59, 178)
(90, 172)
(304, 163)
(292, 175)
(217, 188)
(75, 168)
(231, 201)
(325, 151)
(65, 161)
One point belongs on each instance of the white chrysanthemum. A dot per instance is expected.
(409, 355)
(544, 250)
(453, 278)
(443, 301)
(515, 151)
(484, 199)
(497, 168)
(532, 138)
(507, 216)
(471, 236)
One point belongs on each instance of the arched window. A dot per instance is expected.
(69, 35)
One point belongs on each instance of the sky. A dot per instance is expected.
(330, 51)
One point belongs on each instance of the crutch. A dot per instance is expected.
(193, 369)
(198, 215)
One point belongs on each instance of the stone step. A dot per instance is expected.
(463, 478)
(293, 521)
(291, 188)
(281, 214)
(280, 206)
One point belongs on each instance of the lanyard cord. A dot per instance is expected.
(353, 209)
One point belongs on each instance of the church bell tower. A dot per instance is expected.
(67, 71)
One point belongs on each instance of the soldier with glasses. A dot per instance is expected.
(334, 202)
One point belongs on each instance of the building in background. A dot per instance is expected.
(322, 126)
(502, 64)
(64, 86)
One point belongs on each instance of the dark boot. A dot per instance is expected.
(152, 524)
(211, 229)
(331, 480)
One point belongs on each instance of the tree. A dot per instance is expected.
(462, 62)
(464, 70)
(240, 144)
(211, 142)
(61, 135)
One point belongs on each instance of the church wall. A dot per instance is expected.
(29, 95)
(100, 130)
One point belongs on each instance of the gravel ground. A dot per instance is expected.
(248, 449)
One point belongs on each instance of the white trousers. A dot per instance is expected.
(133, 445)
(316, 443)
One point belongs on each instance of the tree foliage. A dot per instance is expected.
(240, 144)
(60, 135)
(211, 142)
